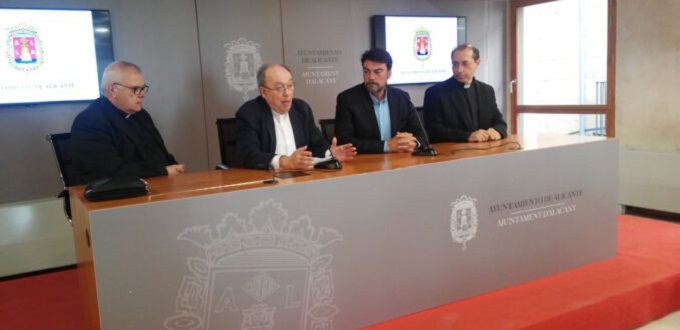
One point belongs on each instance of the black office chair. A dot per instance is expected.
(61, 143)
(226, 133)
(327, 128)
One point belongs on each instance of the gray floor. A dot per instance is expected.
(35, 235)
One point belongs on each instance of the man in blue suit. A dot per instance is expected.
(277, 131)
(374, 117)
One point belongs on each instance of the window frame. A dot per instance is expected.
(608, 109)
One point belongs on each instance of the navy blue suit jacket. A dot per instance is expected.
(256, 137)
(355, 119)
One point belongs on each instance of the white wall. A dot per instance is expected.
(647, 103)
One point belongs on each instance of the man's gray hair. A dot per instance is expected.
(114, 73)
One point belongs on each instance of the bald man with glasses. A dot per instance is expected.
(277, 131)
(115, 136)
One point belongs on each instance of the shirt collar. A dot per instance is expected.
(375, 99)
(279, 116)
(462, 85)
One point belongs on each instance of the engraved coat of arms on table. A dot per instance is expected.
(260, 273)
(463, 220)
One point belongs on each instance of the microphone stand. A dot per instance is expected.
(425, 152)
(426, 149)
(272, 180)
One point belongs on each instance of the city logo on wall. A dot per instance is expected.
(463, 220)
(268, 271)
(422, 44)
(24, 48)
(241, 64)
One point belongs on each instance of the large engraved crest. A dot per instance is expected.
(241, 64)
(24, 48)
(264, 272)
(463, 220)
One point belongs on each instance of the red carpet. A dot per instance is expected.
(42, 302)
(639, 285)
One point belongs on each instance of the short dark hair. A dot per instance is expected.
(475, 51)
(377, 55)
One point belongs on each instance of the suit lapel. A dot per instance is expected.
(297, 124)
(369, 114)
(481, 102)
(394, 114)
(266, 113)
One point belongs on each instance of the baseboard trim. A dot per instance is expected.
(37, 272)
(654, 214)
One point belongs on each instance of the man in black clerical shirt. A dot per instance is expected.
(462, 108)
(115, 136)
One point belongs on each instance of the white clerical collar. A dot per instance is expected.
(466, 86)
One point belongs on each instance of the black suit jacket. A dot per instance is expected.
(256, 137)
(355, 119)
(105, 143)
(446, 115)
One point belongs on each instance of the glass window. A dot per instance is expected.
(563, 53)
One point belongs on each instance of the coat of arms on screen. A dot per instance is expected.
(422, 44)
(268, 271)
(241, 64)
(463, 220)
(24, 48)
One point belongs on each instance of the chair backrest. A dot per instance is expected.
(327, 128)
(226, 133)
(61, 143)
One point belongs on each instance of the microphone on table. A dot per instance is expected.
(426, 149)
(329, 164)
(273, 179)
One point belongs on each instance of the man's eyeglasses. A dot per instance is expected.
(280, 89)
(135, 89)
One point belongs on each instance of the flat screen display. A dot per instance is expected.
(420, 46)
(53, 55)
